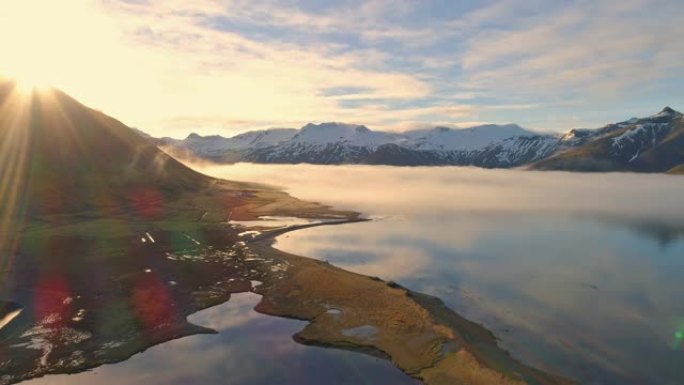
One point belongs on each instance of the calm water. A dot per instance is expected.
(575, 273)
(250, 349)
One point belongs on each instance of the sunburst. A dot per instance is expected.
(29, 86)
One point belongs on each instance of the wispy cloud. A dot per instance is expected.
(237, 64)
(583, 49)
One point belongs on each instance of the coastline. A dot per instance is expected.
(153, 286)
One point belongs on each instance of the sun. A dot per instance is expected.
(48, 43)
(27, 86)
(33, 69)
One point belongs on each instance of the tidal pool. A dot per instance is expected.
(578, 274)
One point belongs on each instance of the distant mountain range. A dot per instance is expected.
(651, 144)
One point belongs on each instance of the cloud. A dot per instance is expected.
(370, 20)
(235, 64)
(249, 79)
(345, 91)
(592, 49)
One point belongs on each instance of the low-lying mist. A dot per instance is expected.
(386, 190)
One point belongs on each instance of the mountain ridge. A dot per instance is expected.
(489, 146)
(651, 144)
(336, 143)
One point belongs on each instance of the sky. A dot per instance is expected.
(171, 67)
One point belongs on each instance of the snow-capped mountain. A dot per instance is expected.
(335, 143)
(654, 143)
(220, 149)
(651, 144)
(346, 134)
(465, 139)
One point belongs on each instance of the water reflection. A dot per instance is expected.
(250, 349)
(560, 266)
(270, 221)
(570, 295)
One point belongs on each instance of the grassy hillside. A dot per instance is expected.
(59, 156)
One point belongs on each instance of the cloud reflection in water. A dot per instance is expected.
(250, 349)
(556, 264)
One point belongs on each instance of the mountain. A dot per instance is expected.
(219, 149)
(339, 143)
(651, 144)
(59, 156)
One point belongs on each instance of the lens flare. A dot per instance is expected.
(678, 337)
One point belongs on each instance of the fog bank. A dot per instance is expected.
(386, 190)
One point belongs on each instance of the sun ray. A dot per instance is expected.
(14, 148)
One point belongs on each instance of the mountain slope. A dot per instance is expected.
(677, 170)
(652, 144)
(59, 156)
(466, 139)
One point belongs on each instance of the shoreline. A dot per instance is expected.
(152, 287)
(436, 345)
(271, 235)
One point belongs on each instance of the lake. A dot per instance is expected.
(578, 274)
